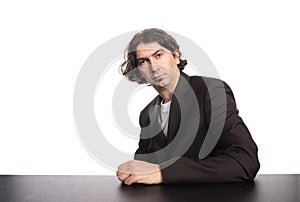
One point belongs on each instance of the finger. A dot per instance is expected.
(125, 168)
(131, 179)
(123, 176)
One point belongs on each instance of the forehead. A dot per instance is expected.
(146, 49)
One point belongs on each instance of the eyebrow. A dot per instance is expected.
(143, 58)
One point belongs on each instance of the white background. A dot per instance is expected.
(255, 46)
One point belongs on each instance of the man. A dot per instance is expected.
(191, 132)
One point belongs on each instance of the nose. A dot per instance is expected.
(154, 66)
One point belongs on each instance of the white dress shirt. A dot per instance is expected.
(164, 115)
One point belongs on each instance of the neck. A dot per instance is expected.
(166, 95)
(167, 92)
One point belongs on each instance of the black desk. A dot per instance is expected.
(273, 188)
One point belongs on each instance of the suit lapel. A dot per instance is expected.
(175, 108)
(174, 120)
(158, 141)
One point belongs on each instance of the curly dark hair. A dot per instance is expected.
(129, 66)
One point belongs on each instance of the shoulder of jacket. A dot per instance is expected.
(207, 81)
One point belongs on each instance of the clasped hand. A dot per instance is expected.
(135, 171)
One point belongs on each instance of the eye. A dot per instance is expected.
(158, 55)
(142, 62)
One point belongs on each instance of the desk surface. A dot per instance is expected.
(281, 188)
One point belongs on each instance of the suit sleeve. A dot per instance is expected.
(233, 159)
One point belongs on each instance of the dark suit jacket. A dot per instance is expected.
(207, 141)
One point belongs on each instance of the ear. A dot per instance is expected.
(176, 56)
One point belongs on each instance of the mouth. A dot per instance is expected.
(158, 77)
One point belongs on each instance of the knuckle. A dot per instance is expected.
(122, 176)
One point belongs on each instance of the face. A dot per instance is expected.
(158, 65)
